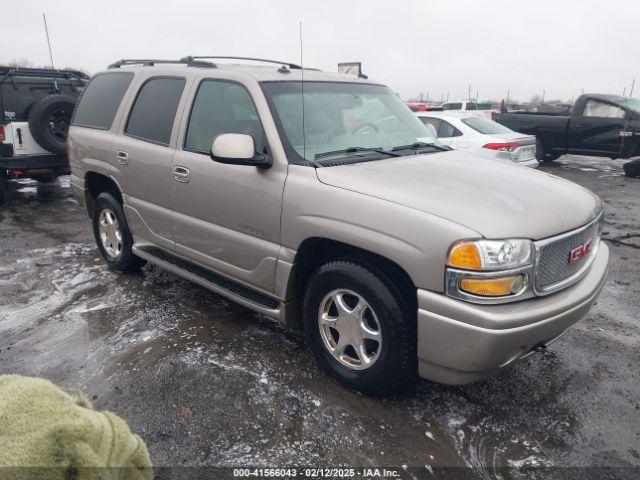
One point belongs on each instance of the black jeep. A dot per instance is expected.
(36, 105)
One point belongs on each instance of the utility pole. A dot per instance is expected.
(46, 30)
(624, 91)
(508, 92)
(543, 94)
(447, 96)
(476, 97)
(633, 84)
(469, 97)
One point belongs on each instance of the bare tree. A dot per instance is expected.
(20, 63)
(536, 100)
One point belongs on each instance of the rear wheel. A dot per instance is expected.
(632, 168)
(112, 234)
(542, 155)
(359, 327)
(3, 188)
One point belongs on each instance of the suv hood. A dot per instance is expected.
(497, 199)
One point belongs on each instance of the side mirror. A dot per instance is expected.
(238, 149)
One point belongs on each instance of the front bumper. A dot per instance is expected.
(460, 342)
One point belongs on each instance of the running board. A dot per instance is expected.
(234, 291)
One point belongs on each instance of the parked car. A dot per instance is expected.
(35, 110)
(481, 136)
(421, 107)
(481, 108)
(397, 255)
(598, 125)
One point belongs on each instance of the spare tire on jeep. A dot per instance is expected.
(49, 121)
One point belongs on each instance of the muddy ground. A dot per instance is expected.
(206, 382)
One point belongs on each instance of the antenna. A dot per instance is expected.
(46, 30)
(304, 133)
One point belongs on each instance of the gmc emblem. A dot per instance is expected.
(580, 252)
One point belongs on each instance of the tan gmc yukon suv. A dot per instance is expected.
(320, 200)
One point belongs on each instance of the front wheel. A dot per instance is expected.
(359, 327)
(112, 234)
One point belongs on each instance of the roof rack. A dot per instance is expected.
(42, 72)
(292, 66)
(150, 62)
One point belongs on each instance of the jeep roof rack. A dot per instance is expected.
(6, 71)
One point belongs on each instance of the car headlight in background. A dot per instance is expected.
(490, 271)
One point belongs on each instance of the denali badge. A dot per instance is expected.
(580, 252)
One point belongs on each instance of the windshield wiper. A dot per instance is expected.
(417, 145)
(355, 150)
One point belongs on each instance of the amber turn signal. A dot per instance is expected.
(466, 256)
(493, 287)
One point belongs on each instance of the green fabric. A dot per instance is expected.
(48, 433)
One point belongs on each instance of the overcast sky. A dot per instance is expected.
(429, 46)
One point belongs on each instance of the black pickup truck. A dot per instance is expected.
(597, 125)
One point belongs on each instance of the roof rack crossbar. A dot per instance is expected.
(151, 62)
(253, 59)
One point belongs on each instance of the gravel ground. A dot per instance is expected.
(207, 383)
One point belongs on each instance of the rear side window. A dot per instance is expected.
(484, 125)
(154, 110)
(101, 99)
(594, 108)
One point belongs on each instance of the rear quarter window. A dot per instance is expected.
(154, 110)
(484, 125)
(100, 101)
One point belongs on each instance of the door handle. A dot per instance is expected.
(122, 157)
(181, 174)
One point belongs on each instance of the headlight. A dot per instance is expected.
(490, 254)
(490, 271)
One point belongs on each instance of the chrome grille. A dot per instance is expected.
(552, 257)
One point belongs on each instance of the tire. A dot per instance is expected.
(539, 150)
(115, 248)
(49, 121)
(393, 359)
(632, 168)
(542, 156)
(46, 179)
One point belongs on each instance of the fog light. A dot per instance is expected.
(493, 287)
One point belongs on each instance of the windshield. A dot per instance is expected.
(342, 116)
(633, 104)
(484, 125)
